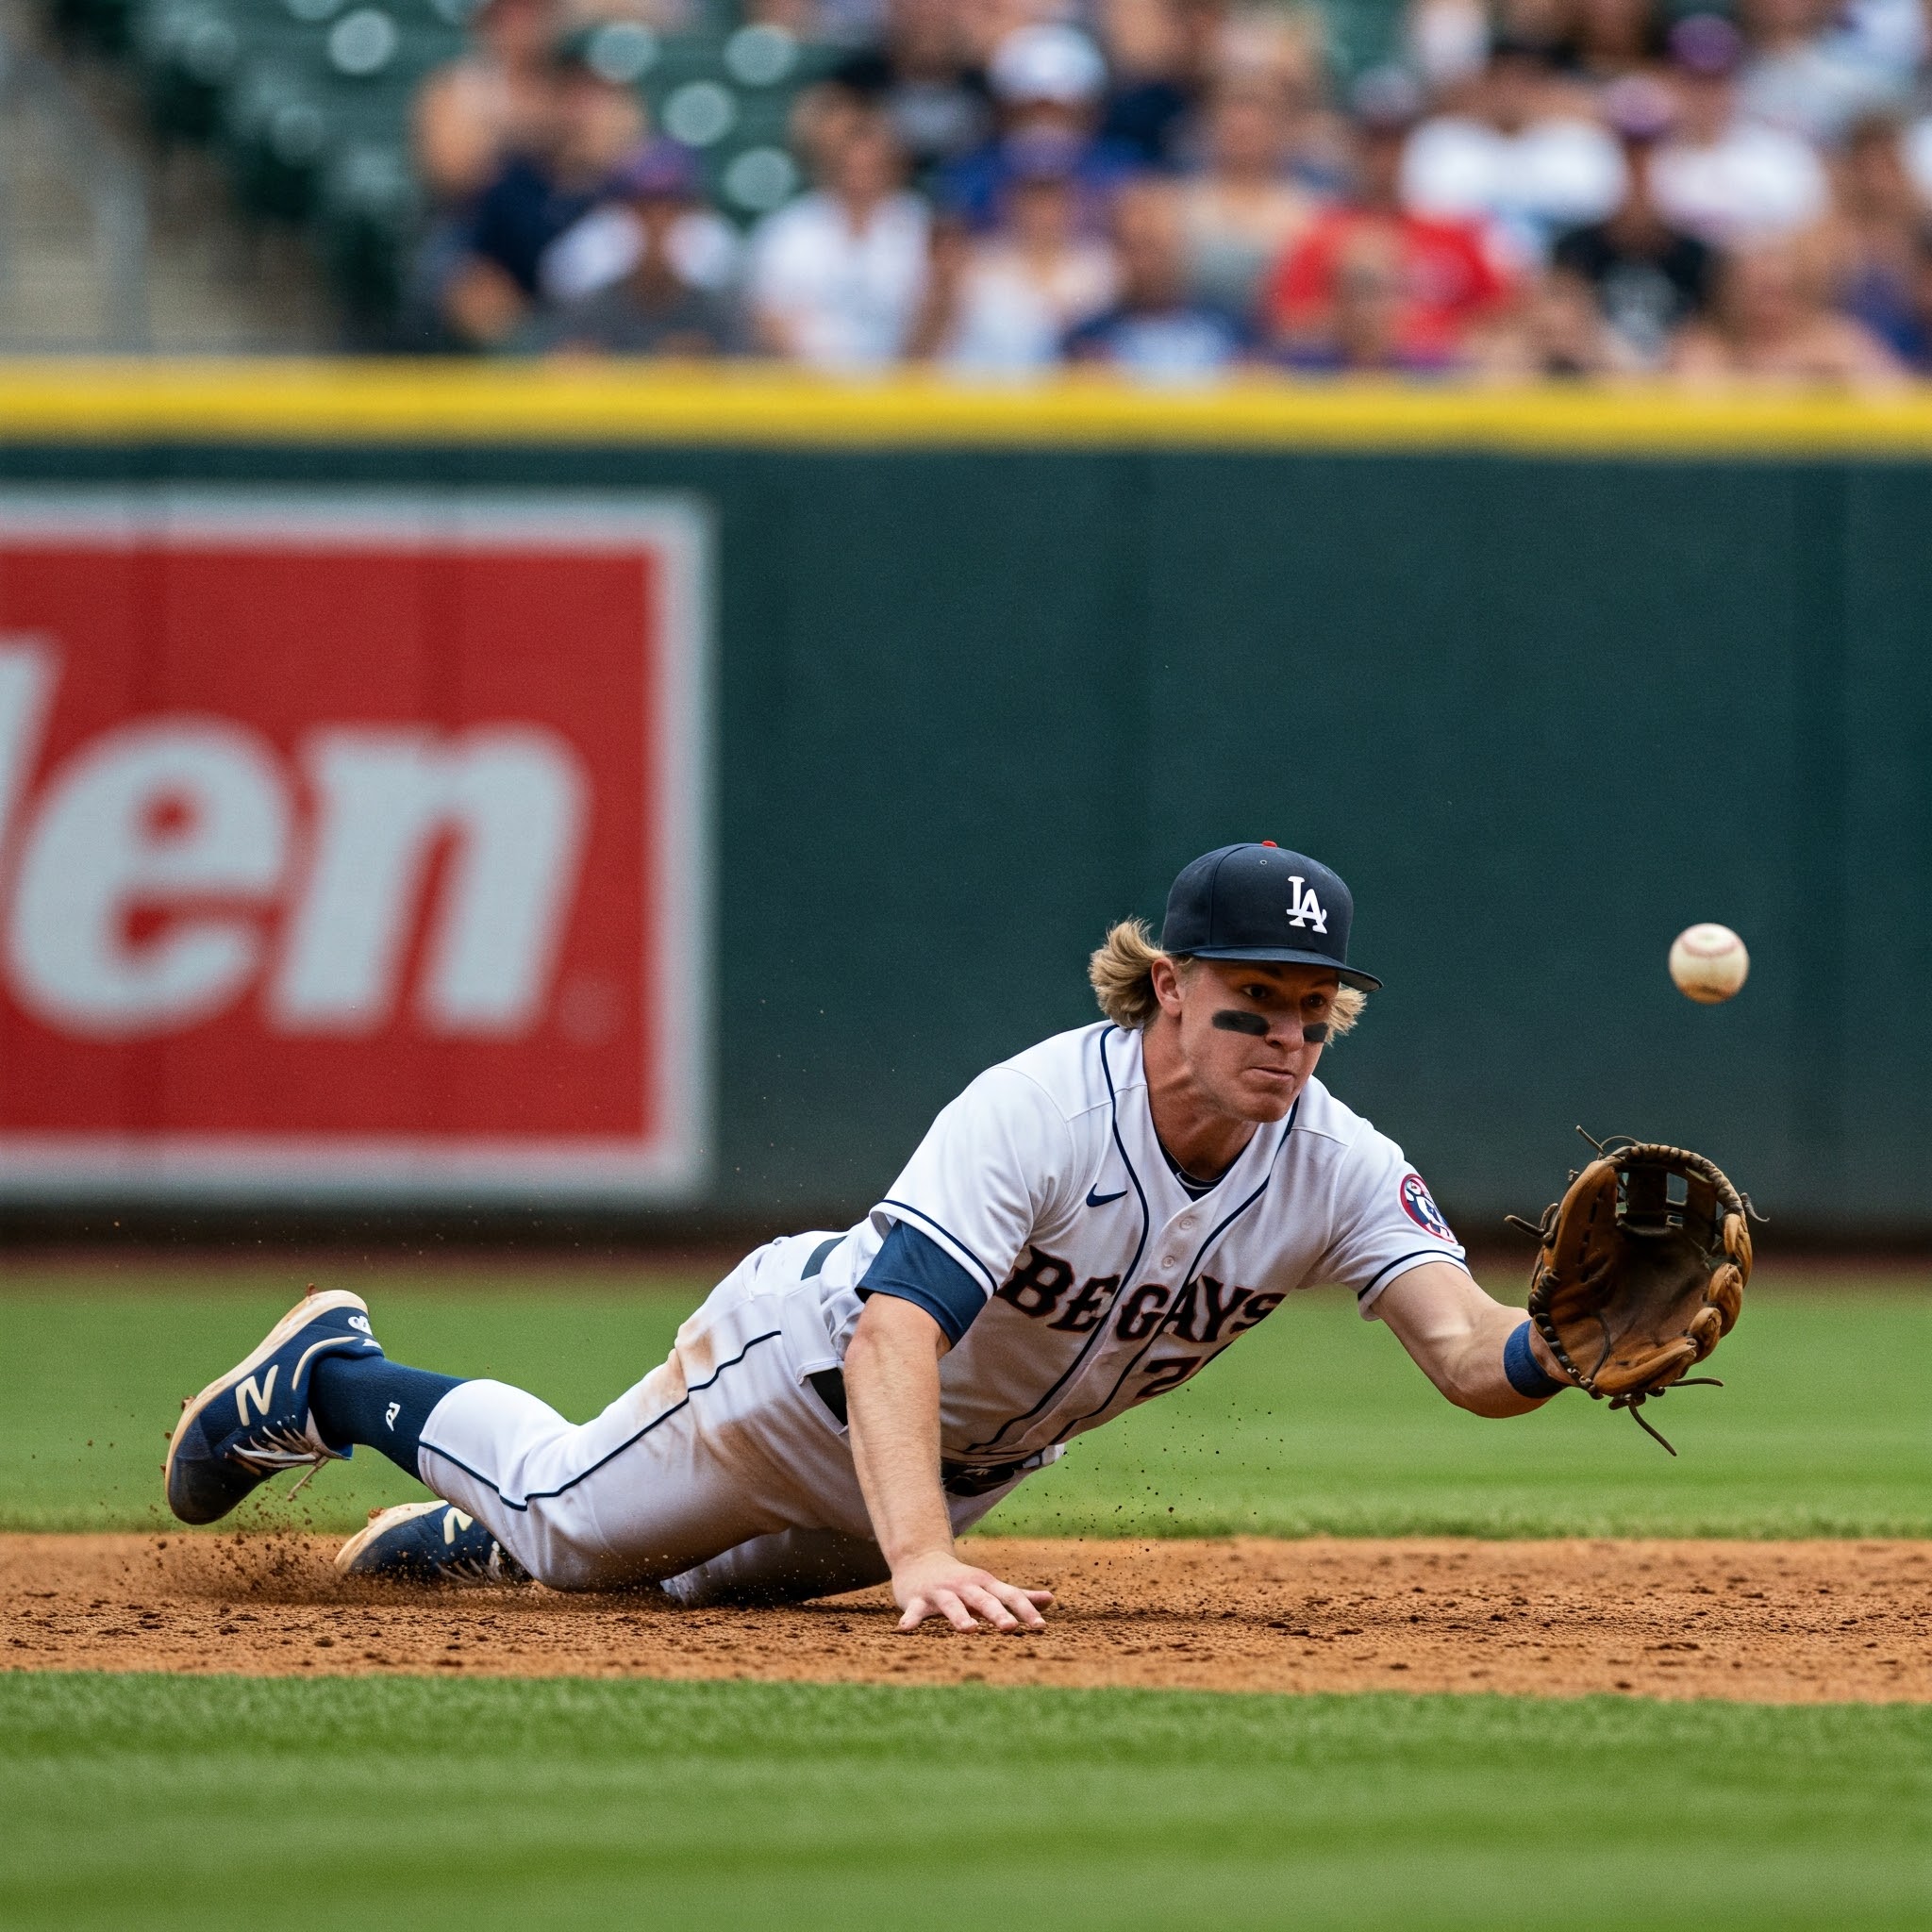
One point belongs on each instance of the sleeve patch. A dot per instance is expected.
(1420, 1206)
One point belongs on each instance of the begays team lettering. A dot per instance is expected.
(1205, 1310)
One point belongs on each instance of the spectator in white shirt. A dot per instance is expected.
(836, 279)
(1524, 157)
(611, 242)
(1726, 179)
(1003, 301)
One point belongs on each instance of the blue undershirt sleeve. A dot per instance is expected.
(917, 1269)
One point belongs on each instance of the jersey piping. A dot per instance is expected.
(945, 1234)
(1128, 1281)
(628, 1442)
(1191, 1275)
(1132, 1268)
(1402, 1262)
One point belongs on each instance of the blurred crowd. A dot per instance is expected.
(1534, 189)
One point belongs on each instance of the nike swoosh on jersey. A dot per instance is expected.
(1096, 1199)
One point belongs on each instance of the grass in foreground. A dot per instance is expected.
(1317, 1423)
(220, 1802)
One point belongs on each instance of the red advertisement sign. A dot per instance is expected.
(352, 844)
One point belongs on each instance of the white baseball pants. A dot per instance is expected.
(721, 1476)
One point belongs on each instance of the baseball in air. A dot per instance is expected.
(1708, 963)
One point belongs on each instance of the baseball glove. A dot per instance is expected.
(1642, 1271)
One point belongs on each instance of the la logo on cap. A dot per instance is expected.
(1304, 908)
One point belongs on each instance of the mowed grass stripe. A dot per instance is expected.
(1316, 1423)
(226, 1801)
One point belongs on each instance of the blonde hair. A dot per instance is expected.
(1122, 974)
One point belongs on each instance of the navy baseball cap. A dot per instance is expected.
(1260, 902)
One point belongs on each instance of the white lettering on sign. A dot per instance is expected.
(513, 800)
(162, 816)
(191, 821)
(27, 684)
(355, 845)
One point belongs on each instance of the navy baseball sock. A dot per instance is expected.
(359, 1398)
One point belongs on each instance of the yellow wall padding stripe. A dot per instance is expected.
(468, 402)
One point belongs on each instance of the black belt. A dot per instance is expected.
(956, 1478)
(829, 1384)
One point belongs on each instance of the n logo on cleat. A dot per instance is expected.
(453, 1521)
(246, 1393)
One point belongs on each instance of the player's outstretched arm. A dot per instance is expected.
(1457, 1334)
(892, 1398)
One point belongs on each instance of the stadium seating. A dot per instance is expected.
(306, 103)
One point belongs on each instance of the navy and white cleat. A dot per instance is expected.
(428, 1542)
(254, 1421)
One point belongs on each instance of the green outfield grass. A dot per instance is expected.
(231, 1802)
(1315, 1422)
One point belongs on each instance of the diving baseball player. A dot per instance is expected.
(1083, 1229)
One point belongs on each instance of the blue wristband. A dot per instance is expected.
(1525, 1372)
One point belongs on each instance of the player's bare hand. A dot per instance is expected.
(942, 1586)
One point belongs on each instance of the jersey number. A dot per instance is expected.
(1170, 1371)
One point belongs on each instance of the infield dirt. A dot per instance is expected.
(1767, 1622)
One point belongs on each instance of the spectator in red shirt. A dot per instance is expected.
(1448, 282)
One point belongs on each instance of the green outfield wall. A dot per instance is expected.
(1544, 688)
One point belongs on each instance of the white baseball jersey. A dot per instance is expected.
(1096, 1281)
(1105, 1282)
